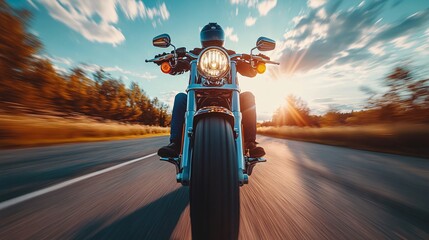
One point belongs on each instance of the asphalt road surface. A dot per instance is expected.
(304, 191)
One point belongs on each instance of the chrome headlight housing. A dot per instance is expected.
(213, 63)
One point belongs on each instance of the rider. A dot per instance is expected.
(212, 35)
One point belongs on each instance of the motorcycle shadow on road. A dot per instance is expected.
(157, 220)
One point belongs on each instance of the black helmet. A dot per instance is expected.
(212, 35)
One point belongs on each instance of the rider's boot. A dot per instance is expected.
(255, 151)
(172, 150)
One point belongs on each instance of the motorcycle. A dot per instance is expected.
(213, 161)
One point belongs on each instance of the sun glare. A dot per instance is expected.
(269, 94)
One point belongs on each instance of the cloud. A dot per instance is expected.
(377, 49)
(32, 4)
(95, 20)
(405, 27)
(396, 3)
(34, 32)
(403, 42)
(322, 14)
(325, 36)
(249, 3)
(265, 6)
(91, 68)
(342, 107)
(61, 60)
(316, 3)
(250, 21)
(323, 100)
(145, 75)
(229, 33)
(59, 69)
(58, 63)
(168, 98)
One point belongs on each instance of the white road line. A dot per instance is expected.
(37, 193)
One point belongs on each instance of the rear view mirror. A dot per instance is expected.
(162, 41)
(265, 44)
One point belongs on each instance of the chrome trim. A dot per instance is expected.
(162, 41)
(174, 161)
(215, 110)
(201, 54)
(191, 55)
(185, 169)
(196, 86)
(213, 83)
(184, 176)
(235, 100)
(265, 44)
(251, 162)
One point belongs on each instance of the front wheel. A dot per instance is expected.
(214, 188)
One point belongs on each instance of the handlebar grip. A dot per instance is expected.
(246, 56)
(264, 56)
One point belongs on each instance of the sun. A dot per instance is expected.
(269, 94)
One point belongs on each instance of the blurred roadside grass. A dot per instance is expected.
(400, 138)
(32, 130)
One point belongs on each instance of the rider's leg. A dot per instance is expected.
(178, 117)
(248, 110)
(177, 121)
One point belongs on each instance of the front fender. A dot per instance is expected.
(221, 111)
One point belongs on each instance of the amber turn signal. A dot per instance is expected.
(165, 67)
(260, 68)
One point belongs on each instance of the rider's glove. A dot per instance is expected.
(181, 52)
(246, 57)
(159, 55)
(264, 56)
(181, 67)
(245, 69)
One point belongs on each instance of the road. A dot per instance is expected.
(304, 191)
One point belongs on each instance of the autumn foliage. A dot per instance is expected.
(30, 84)
(406, 100)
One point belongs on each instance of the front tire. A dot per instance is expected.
(214, 187)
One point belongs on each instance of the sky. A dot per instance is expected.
(329, 51)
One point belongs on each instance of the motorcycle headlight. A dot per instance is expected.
(213, 63)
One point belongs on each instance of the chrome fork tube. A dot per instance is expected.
(185, 165)
(235, 108)
(185, 174)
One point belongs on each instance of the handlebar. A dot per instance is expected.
(259, 58)
(161, 58)
(170, 56)
(239, 57)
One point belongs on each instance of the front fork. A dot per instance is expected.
(183, 163)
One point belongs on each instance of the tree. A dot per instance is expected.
(17, 49)
(164, 118)
(49, 87)
(295, 112)
(29, 82)
(406, 98)
(134, 97)
(335, 118)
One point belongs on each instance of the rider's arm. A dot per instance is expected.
(181, 66)
(245, 69)
(196, 51)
